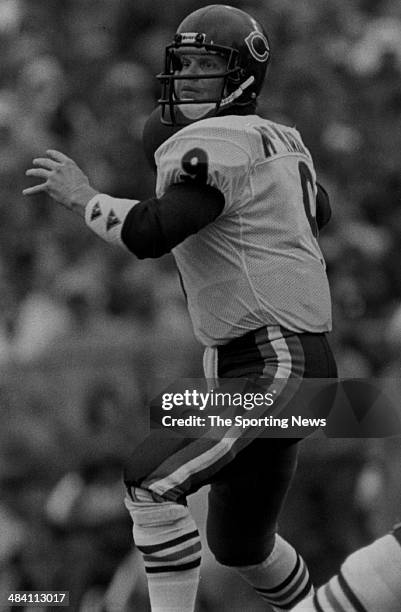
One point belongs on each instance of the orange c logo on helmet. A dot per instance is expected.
(258, 46)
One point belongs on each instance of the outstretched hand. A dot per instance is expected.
(64, 181)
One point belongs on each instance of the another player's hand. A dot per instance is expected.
(63, 180)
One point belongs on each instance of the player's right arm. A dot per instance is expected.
(149, 228)
(153, 227)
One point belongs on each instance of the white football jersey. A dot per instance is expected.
(259, 263)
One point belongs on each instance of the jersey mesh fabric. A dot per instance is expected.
(258, 263)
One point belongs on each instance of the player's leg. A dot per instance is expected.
(168, 539)
(162, 472)
(246, 500)
(159, 476)
(369, 581)
(172, 468)
(244, 503)
(163, 529)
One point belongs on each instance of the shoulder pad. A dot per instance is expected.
(154, 134)
(226, 133)
(212, 151)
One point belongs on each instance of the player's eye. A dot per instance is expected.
(208, 65)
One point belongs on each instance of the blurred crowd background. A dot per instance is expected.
(84, 328)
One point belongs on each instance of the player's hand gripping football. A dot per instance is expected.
(64, 181)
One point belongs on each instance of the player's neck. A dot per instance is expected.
(247, 109)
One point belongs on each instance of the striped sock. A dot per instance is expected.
(369, 581)
(282, 579)
(168, 539)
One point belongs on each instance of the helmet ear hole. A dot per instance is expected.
(236, 77)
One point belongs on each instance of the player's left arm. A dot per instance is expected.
(323, 208)
(149, 228)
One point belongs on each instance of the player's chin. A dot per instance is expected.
(186, 96)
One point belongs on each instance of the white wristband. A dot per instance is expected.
(105, 216)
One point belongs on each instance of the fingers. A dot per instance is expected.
(59, 157)
(35, 189)
(45, 162)
(46, 166)
(39, 172)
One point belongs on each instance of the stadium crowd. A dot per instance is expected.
(78, 76)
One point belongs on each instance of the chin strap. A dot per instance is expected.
(238, 92)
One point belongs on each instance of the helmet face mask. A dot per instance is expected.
(201, 81)
(172, 75)
(214, 30)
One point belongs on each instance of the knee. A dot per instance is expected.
(153, 512)
(240, 549)
(164, 532)
(146, 508)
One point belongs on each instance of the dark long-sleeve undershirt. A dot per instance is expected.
(155, 226)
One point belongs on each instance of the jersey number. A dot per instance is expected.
(307, 189)
(195, 165)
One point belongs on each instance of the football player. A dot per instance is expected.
(369, 581)
(236, 204)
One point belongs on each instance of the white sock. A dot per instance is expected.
(168, 539)
(369, 581)
(282, 579)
